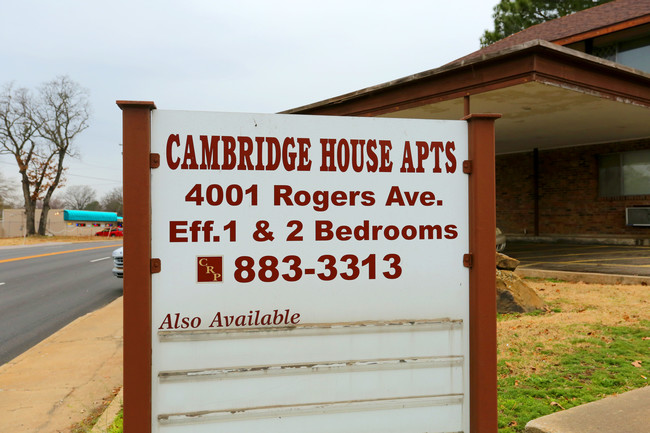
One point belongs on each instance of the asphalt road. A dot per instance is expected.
(45, 287)
(602, 259)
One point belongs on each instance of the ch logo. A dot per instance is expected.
(209, 269)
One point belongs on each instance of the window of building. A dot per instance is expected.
(625, 173)
(634, 53)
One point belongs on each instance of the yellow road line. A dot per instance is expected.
(582, 263)
(59, 252)
(561, 249)
(611, 259)
(536, 256)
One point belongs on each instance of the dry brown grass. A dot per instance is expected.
(530, 341)
(32, 240)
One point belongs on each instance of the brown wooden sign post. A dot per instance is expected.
(482, 308)
(136, 118)
(138, 162)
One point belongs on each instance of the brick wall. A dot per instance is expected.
(514, 193)
(568, 193)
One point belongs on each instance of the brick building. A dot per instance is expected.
(573, 145)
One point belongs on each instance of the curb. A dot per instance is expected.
(106, 419)
(592, 278)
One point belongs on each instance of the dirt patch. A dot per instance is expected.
(530, 342)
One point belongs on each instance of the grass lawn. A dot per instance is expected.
(595, 342)
(117, 426)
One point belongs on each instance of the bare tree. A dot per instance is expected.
(18, 137)
(78, 196)
(63, 114)
(39, 134)
(112, 201)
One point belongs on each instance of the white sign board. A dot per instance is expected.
(311, 274)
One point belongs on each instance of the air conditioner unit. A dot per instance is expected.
(637, 216)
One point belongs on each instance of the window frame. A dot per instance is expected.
(605, 189)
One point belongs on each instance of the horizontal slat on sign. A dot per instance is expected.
(311, 368)
(308, 344)
(310, 409)
(311, 330)
(336, 382)
(429, 419)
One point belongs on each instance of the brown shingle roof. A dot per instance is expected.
(585, 21)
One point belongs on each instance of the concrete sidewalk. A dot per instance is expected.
(624, 413)
(59, 381)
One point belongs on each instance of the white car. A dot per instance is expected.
(118, 262)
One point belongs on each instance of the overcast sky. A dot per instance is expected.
(243, 56)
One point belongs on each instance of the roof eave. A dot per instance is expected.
(474, 84)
